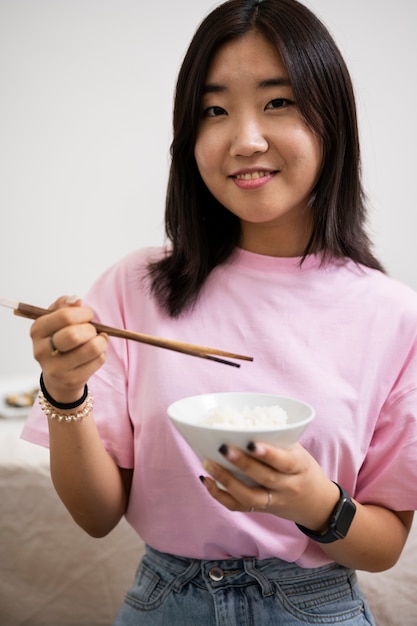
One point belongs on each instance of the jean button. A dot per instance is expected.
(216, 574)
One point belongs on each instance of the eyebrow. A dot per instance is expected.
(279, 81)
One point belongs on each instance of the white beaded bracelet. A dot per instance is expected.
(52, 412)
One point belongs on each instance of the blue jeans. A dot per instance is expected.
(176, 591)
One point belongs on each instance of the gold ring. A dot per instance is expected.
(54, 349)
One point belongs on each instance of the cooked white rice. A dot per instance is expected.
(246, 418)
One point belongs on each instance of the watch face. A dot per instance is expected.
(343, 517)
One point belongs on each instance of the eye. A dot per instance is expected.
(279, 103)
(214, 111)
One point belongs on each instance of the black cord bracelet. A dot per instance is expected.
(62, 405)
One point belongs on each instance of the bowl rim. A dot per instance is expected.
(267, 429)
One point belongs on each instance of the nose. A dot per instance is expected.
(248, 139)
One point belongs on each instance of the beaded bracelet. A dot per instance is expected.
(51, 411)
(50, 406)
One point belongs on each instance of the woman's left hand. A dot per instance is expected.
(290, 484)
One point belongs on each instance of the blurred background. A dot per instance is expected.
(85, 128)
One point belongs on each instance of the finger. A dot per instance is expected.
(236, 495)
(78, 356)
(70, 337)
(64, 301)
(285, 460)
(48, 324)
(66, 374)
(267, 466)
(79, 372)
(223, 496)
(256, 469)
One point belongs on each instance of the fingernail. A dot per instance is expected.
(202, 478)
(72, 299)
(209, 468)
(229, 453)
(256, 448)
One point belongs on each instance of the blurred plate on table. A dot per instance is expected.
(16, 399)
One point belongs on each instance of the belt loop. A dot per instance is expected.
(265, 584)
(188, 574)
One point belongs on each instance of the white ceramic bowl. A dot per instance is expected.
(187, 416)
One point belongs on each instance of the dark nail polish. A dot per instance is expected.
(203, 480)
(251, 446)
(223, 449)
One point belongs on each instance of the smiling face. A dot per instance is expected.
(254, 151)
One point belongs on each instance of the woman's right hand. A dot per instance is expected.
(80, 350)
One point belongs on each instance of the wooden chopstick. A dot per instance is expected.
(204, 352)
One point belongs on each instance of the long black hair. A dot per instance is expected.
(202, 232)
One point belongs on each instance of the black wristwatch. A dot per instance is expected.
(339, 522)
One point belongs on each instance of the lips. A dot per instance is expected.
(252, 175)
(253, 179)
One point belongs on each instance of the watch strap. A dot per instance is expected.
(339, 522)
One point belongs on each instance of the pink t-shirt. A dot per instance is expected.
(341, 337)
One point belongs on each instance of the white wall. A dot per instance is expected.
(85, 121)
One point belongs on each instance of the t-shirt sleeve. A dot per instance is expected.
(389, 473)
(108, 385)
(110, 415)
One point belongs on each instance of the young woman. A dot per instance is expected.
(267, 252)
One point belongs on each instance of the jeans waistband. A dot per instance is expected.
(224, 572)
(182, 591)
